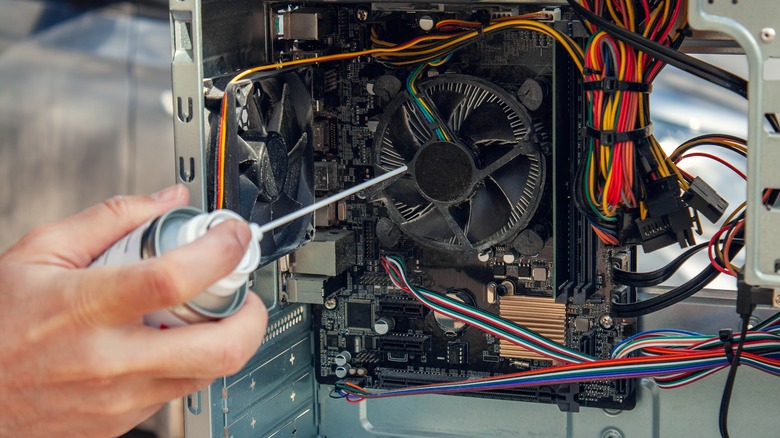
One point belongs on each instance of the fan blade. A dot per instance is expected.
(297, 150)
(512, 179)
(431, 225)
(269, 171)
(255, 111)
(460, 213)
(246, 154)
(294, 163)
(403, 192)
(299, 101)
(489, 154)
(488, 123)
(272, 87)
(247, 196)
(399, 138)
(490, 211)
(280, 116)
(445, 102)
(261, 214)
(282, 207)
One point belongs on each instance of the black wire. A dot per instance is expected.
(709, 142)
(671, 56)
(654, 278)
(334, 394)
(725, 400)
(667, 55)
(666, 299)
(674, 296)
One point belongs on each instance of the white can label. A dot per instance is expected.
(127, 250)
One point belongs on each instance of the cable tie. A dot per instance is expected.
(687, 32)
(610, 84)
(590, 71)
(727, 337)
(611, 137)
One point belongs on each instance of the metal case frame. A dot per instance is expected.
(276, 395)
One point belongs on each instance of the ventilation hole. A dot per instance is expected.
(184, 112)
(187, 169)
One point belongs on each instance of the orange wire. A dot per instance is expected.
(223, 122)
(727, 246)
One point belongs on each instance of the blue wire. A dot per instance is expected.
(650, 332)
(428, 116)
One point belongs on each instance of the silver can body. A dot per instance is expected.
(152, 240)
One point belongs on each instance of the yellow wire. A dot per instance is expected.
(569, 45)
(629, 5)
(574, 51)
(614, 14)
(592, 182)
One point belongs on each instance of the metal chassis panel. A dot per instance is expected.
(753, 26)
(206, 412)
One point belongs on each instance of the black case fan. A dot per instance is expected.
(474, 191)
(269, 170)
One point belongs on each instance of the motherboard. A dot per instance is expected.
(484, 215)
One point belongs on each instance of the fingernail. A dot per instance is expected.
(243, 234)
(167, 194)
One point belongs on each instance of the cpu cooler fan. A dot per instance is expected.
(273, 158)
(476, 190)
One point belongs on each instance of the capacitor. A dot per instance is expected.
(384, 325)
(530, 241)
(426, 23)
(179, 227)
(330, 303)
(342, 371)
(385, 88)
(533, 92)
(485, 256)
(387, 232)
(343, 358)
(491, 292)
(507, 287)
(509, 257)
(453, 327)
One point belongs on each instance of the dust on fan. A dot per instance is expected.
(473, 192)
(274, 154)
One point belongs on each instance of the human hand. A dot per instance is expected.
(75, 357)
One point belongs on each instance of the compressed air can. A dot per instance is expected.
(175, 228)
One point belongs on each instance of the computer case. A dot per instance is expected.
(286, 388)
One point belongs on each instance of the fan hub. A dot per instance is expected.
(273, 167)
(444, 171)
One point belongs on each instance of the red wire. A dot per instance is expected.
(710, 251)
(712, 157)
(473, 314)
(727, 245)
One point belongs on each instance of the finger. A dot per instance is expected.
(227, 345)
(77, 240)
(126, 394)
(118, 294)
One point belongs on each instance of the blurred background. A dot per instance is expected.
(86, 113)
(85, 106)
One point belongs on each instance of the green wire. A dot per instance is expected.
(567, 355)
